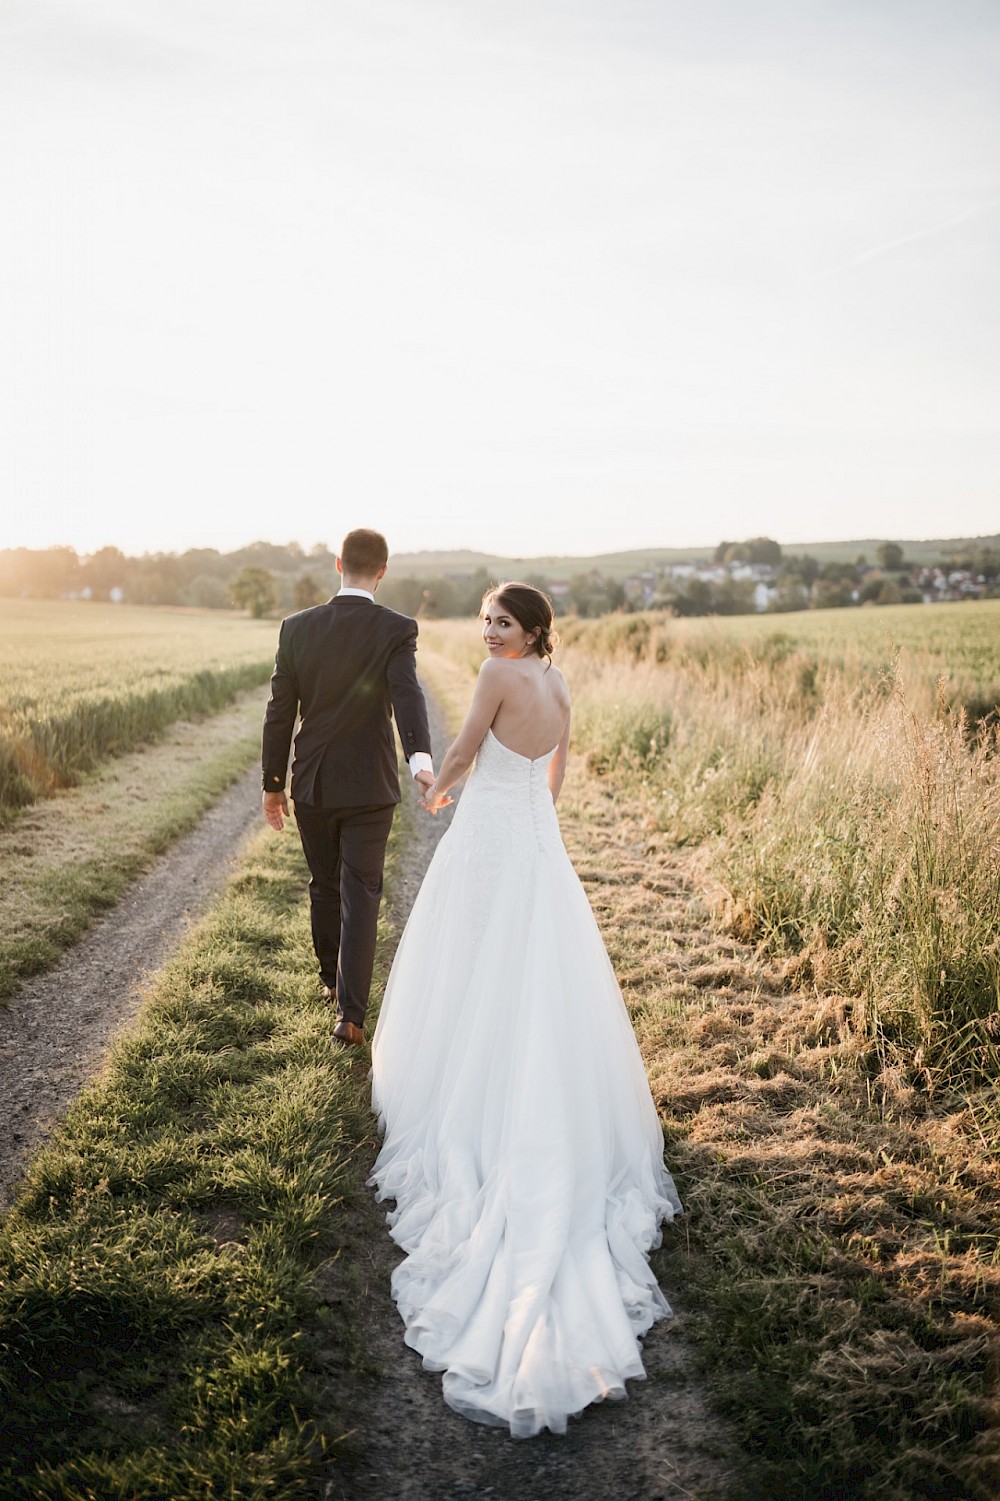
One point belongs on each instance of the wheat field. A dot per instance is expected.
(83, 681)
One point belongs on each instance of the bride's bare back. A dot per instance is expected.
(534, 705)
(520, 696)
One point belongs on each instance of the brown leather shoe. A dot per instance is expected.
(348, 1033)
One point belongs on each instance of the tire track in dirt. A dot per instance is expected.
(661, 1443)
(56, 1031)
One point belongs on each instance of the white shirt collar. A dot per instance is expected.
(354, 593)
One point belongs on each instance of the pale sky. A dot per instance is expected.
(529, 276)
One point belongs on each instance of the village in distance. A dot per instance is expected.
(756, 575)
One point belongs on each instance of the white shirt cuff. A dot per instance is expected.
(421, 761)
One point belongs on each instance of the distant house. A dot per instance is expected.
(937, 584)
(639, 587)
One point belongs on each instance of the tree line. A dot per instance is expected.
(270, 579)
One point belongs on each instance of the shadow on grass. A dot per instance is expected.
(184, 1228)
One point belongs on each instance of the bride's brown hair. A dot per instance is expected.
(530, 608)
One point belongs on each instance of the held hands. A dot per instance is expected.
(275, 806)
(432, 800)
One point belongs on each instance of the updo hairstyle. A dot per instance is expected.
(530, 608)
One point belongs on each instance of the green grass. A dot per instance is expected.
(175, 1310)
(72, 856)
(83, 682)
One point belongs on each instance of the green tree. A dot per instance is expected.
(695, 599)
(308, 591)
(402, 594)
(105, 570)
(889, 594)
(253, 589)
(829, 594)
(792, 593)
(764, 550)
(156, 579)
(733, 597)
(205, 592)
(42, 573)
(758, 550)
(889, 555)
(439, 599)
(803, 568)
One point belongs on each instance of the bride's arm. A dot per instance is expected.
(459, 756)
(557, 766)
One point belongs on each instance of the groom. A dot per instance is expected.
(340, 667)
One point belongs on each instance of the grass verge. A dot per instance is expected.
(839, 1264)
(175, 1312)
(41, 754)
(72, 856)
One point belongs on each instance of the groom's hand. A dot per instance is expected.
(276, 809)
(424, 780)
(433, 800)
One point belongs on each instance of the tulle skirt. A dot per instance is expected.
(521, 1147)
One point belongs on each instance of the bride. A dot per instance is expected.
(522, 1147)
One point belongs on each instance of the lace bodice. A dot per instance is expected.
(507, 799)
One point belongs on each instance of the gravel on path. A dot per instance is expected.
(56, 1030)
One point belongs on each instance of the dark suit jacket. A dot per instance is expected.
(341, 666)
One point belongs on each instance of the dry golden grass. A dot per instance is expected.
(852, 814)
(842, 1258)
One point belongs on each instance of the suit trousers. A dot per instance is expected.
(345, 852)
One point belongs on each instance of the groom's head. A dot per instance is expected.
(363, 557)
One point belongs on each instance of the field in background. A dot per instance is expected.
(832, 766)
(790, 835)
(82, 682)
(181, 1287)
(620, 564)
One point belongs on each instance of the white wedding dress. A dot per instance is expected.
(522, 1147)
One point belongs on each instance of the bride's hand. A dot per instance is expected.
(432, 800)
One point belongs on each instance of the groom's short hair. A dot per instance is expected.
(363, 552)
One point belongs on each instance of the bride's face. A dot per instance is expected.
(503, 634)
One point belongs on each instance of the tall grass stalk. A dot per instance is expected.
(851, 809)
(846, 828)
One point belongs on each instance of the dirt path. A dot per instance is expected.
(57, 1029)
(661, 1444)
